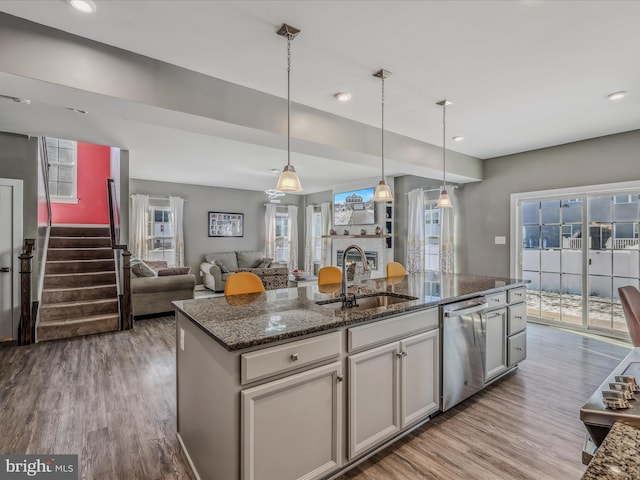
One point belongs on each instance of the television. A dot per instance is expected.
(355, 207)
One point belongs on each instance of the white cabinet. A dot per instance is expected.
(390, 387)
(495, 343)
(292, 427)
(419, 377)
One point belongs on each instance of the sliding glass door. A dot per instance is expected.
(576, 250)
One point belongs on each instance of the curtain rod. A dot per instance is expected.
(435, 189)
(281, 204)
(154, 198)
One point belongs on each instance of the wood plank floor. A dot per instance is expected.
(111, 399)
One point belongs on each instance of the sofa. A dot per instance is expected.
(217, 267)
(153, 292)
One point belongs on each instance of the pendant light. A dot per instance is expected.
(444, 201)
(383, 192)
(288, 180)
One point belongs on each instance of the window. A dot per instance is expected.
(282, 236)
(62, 159)
(432, 237)
(317, 237)
(160, 235)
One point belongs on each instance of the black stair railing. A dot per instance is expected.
(122, 257)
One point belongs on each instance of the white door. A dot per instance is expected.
(6, 263)
(292, 427)
(373, 397)
(420, 379)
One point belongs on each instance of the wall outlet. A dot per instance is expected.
(182, 339)
(501, 240)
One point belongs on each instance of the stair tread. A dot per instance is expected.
(79, 302)
(79, 248)
(75, 320)
(71, 274)
(63, 289)
(81, 260)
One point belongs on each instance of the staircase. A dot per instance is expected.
(79, 295)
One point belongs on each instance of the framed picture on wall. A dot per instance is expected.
(226, 224)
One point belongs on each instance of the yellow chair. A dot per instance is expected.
(395, 269)
(243, 282)
(327, 275)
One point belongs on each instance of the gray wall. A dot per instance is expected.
(485, 206)
(202, 199)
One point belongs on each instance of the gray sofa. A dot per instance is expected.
(274, 276)
(153, 295)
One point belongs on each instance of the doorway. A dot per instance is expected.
(10, 242)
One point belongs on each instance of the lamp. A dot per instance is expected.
(288, 180)
(444, 201)
(383, 192)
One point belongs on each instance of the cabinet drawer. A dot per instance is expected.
(384, 330)
(517, 318)
(496, 299)
(517, 347)
(274, 360)
(517, 295)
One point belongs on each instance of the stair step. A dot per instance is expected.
(78, 294)
(97, 231)
(78, 326)
(70, 310)
(69, 280)
(79, 253)
(79, 242)
(79, 266)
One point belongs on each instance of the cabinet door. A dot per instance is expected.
(373, 397)
(292, 427)
(495, 348)
(419, 378)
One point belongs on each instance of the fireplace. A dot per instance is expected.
(354, 256)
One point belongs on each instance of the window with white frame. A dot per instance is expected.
(317, 236)
(431, 236)
(282, 236)
(160, 236)
(63, 174)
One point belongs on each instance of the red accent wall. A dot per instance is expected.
(94, 167)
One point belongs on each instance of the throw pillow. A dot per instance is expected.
(223, 269)
(165, 272)
(265, 263)
(141, 269)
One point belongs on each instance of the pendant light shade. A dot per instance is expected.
(444, 201)
(383, 192)
(288, 180)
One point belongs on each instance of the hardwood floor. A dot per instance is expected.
(111, 399)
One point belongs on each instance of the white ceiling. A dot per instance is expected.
(521, 74)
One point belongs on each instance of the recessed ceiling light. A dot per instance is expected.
(343, 96)
(616, 95)
(83, 6)
(76, 110)
(457, 138)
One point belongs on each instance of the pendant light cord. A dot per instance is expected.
(382, 152)
(444, 149)
(289, 100)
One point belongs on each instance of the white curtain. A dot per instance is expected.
(292, 211)
(176, 204)
(415, 240)
(139, 225)
(325, 219)
(309, 239)
(447, 234)
(270, 231)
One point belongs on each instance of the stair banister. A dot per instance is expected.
(26, 327)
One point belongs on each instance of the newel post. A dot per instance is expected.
(26, 327)
(127, 315)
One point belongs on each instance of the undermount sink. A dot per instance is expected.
(370, 301)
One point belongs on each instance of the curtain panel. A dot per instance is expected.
(447, 234)
(176, 204)
(139, 225)
(325, 219)
(415, 238)
(292, 211)
(309, 239)
(270, 231)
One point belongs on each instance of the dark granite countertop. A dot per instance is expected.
(619, 455)
(244, 321)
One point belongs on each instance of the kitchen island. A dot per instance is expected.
(286, 384)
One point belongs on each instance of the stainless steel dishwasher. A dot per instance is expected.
(463, 350)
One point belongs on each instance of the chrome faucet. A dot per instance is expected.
(349, 301)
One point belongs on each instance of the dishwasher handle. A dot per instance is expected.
(465, 311)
